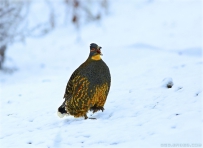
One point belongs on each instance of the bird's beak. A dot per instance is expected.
(98, 50)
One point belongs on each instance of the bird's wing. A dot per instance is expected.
(72, 82)
(69, 86)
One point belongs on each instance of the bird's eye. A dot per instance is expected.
(92, 49)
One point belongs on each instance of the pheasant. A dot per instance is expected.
(88, 86)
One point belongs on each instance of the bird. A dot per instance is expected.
(88, 86)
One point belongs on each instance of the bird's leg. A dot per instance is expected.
(85, 116)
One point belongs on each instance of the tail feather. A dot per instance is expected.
(62, 111)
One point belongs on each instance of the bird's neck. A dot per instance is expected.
(96, 57)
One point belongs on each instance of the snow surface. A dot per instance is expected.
(143, 43)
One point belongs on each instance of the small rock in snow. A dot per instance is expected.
(167, 82)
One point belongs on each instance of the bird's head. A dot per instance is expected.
(95, 52)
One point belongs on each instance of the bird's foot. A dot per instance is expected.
(93, 118)
(86, 117)
(95, 109)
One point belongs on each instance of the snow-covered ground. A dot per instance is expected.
(145, 44)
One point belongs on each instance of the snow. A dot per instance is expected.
(143, 43)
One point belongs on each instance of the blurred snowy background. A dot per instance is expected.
(147, 44)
